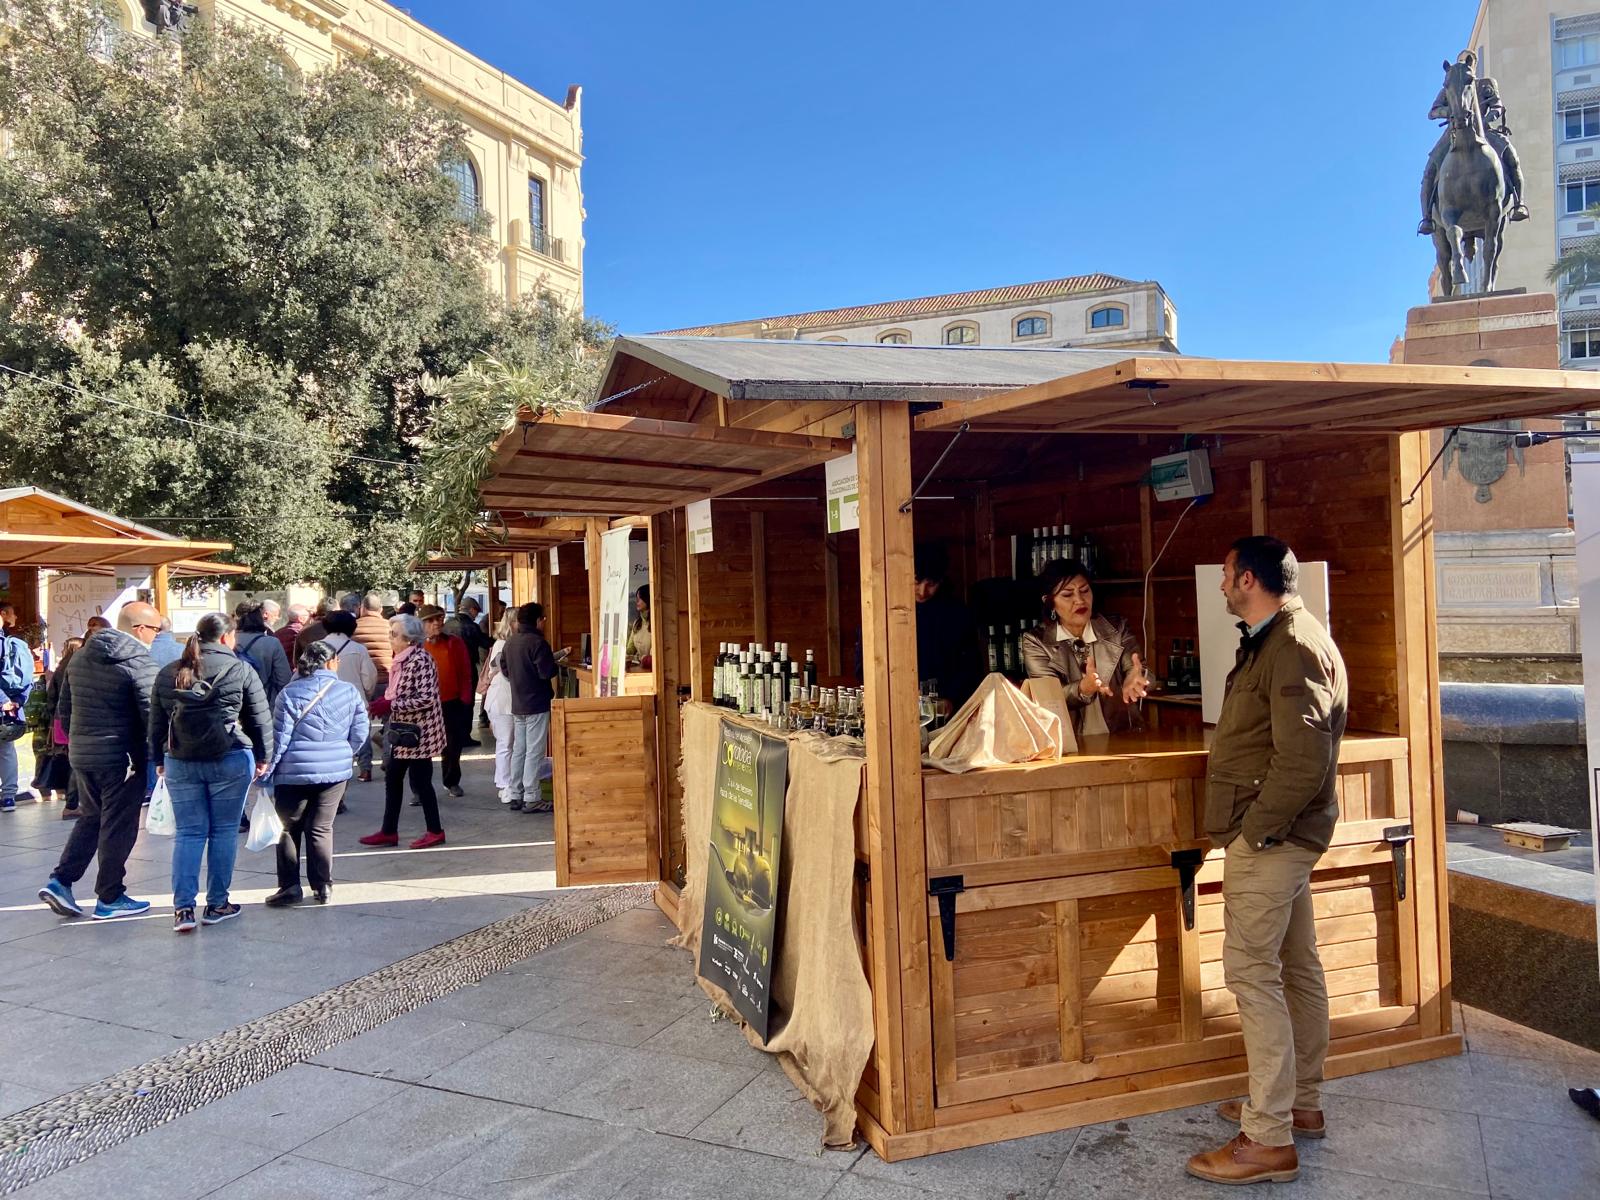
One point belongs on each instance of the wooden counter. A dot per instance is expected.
(1065, 968)
(634, 683)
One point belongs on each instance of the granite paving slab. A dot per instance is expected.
(410, 1047)
(1022, 1169)
(1540, 1162)
(770, 1116)
(650, 1090)
(170, 1163)
(525, 1067)
(289, 1109)
(415, 1136)
(292, 1178)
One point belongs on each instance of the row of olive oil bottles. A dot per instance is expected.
(770, 686)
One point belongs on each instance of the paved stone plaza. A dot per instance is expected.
(593, 1068)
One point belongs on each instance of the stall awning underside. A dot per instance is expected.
(493, 545)
(41, 529)
(595, 464)
(1202, 396)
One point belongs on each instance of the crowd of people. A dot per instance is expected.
(287, 703)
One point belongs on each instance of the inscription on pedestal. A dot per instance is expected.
(1498, 584)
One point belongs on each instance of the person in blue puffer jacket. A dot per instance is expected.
(319, 721)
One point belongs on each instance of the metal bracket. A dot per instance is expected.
(1398, 836)
(937, 463)
(1187, 864)
(946, 888)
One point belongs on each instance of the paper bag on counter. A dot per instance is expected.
(998, 725)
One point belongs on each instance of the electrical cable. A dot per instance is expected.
(1144, 617)
(206, 426)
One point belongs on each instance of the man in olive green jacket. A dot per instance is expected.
(1271, 799)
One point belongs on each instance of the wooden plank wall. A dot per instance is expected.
(568, 606)
(606, 822)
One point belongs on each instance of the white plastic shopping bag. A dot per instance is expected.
(159, 819)
(265, 828)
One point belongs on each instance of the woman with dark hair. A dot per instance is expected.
(318, 722)
(639, 640)
(412, 735)
(1095, 657)
(260, 647)
(55, 772)
(210, 734)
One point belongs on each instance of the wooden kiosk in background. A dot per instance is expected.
(1042, 941)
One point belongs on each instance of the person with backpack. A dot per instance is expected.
(260, 647)
(210, 735)
(16, 681)
(320, 720)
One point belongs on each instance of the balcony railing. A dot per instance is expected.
(541, 242)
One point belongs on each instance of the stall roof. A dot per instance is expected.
(771, 369)
(597, 464)
(41, 529)
(1172, 394)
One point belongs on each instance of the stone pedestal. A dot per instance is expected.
(1503, 546)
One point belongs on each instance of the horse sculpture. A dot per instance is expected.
(1469, 208)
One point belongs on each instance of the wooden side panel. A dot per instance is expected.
(605, 790)
(668, 546)
(570, 600)
(723, 607)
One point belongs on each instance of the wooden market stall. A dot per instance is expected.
(1042, 941)
(41, 531)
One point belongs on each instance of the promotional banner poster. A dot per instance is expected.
(73, 599)
(741, 923)
(616, 609)
(699, 518)
(843, 493)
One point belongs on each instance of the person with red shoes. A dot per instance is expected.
(453, 664)
(413, 734)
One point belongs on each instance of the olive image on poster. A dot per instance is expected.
(738, 939)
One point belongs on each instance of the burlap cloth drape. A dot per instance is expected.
(998, 725)
(821, 1004)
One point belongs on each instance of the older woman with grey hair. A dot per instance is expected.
(414, 733)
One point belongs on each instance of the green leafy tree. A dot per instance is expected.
(192, 230)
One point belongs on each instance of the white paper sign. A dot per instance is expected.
(611, 657)
(699, 518)
(1586, 518)
(555, 560)
(1219, 635)
(73, 599)
(843, 493)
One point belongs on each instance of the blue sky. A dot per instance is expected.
(743, 160)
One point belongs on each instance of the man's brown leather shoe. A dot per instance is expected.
(1308, 1122)
(1244, 1161)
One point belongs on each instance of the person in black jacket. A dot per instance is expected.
(104, 708)
(210, 735)
(529, 667)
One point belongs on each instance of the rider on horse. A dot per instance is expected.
(1496, 131)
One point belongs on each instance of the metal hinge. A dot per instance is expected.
(1187, 864)
(1398, 836)
(946, 888)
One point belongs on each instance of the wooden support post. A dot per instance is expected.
(592, 529)
(699, 666)
(758, 573)
(898, 883)
(1417, 677)
(522, 582)
(159, 583)
(667, 547)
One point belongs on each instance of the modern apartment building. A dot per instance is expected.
(1082, 310)
(1545, 57)
(525, 151)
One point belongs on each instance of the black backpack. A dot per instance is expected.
(200, 727)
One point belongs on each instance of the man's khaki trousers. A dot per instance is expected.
(1270, 964)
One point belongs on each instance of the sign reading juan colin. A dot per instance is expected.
(741, 922)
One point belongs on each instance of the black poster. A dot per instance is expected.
(741, 921)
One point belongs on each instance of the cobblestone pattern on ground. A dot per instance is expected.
(59, 1133)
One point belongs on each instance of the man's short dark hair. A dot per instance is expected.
(340, 620)
(931, 561)
(530, 614)
(1273, 564)
(252, 617)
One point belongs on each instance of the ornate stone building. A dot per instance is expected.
(525, 151)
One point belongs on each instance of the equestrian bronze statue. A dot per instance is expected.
(1473, 181)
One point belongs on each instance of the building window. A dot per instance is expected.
(1029, 327)
(1581, 51)
(1583, 343)
(537, 237)
(465, 176)
(895, 337)
(965, 334)
(1583, 122)
(1582, 195)
(103, 39)
(1109, 317)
